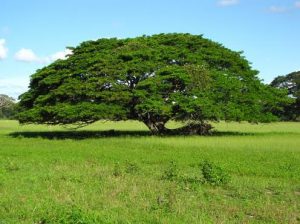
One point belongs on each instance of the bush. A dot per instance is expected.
(131, 167)
(117, 172)
(214, 174)
(171, 173)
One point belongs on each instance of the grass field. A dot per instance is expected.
(97, 175)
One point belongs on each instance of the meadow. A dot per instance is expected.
(117, 173)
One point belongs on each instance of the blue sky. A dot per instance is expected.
(33, 33)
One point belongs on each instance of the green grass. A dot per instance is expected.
(54, 175)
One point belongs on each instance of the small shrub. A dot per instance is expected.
(131, 167)
(171, 173)
(214, 174)
(117, 170)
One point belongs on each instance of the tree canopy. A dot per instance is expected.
(290, 82)
(152, 79)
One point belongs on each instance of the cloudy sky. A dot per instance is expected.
(34, 33)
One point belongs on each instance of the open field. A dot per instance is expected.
(54, 175)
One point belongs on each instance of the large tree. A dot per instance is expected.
(291, 83)
(152, 79)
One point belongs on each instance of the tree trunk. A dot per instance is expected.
(156, 127)
(156, 124)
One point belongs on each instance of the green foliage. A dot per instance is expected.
(171, 172)
(131, 167)
(117, 172)
(214, 174)
(290, 83)
(128, 167)
(152, 79)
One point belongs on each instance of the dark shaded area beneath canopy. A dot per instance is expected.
(80, 135)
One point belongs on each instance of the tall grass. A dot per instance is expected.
(54, 175)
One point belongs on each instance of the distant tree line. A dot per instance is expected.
(8, 107)
(291, 83)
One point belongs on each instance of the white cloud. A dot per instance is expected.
(228, 2)
(283, 9)
(13, 86)
(3, 49)
(60, 55)
(27, 55)
(277, 9)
